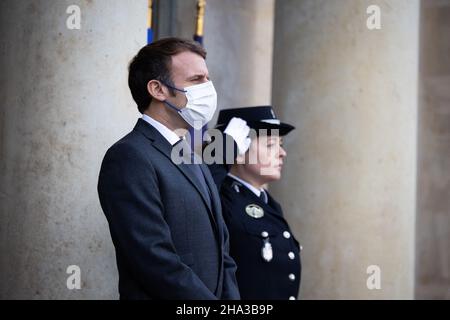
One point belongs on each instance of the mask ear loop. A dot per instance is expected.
(167, 103)
(174, 88)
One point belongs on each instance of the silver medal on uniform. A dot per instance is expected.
(266, 251)
(254, 211)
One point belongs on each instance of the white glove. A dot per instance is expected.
(239, 130)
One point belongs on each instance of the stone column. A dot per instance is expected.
(349, 184)
(239, 40)
(64, 100)
(433, 185)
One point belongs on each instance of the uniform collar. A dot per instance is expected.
(229, 185)
(256, 191)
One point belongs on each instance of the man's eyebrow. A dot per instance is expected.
(195, 76)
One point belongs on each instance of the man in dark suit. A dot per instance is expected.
(165, 219)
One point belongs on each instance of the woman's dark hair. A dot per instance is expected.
(153, 62)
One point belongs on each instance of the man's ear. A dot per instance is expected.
(157, 90)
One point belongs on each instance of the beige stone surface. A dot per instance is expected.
(433, 186)
(349, 183)
(64, 100)
(239, 40)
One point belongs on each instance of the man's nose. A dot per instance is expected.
(283, 152)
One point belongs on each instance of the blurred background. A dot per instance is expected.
(367, 177)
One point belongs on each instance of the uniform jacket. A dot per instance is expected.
(257, 278)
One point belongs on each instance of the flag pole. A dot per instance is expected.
(150, 21)
(199, 27)
(198, 37)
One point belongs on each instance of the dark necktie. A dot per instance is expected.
(263, 196)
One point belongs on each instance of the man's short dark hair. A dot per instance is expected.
(153, 62)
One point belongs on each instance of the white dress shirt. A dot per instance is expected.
(168, 134)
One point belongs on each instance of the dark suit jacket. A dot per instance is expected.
(171, 243)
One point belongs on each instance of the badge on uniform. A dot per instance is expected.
(235, 185)
(266, 251)
(254, 211)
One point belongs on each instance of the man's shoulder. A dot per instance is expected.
(133, 144)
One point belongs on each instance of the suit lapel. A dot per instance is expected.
(163, 146)
(215, 198)
(217, 209)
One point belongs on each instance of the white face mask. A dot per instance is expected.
(201, 104)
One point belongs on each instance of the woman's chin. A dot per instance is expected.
(274, 176)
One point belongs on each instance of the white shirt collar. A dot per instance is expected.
(168, 134)
(256, 191)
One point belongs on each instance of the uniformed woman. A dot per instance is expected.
(265, 250)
